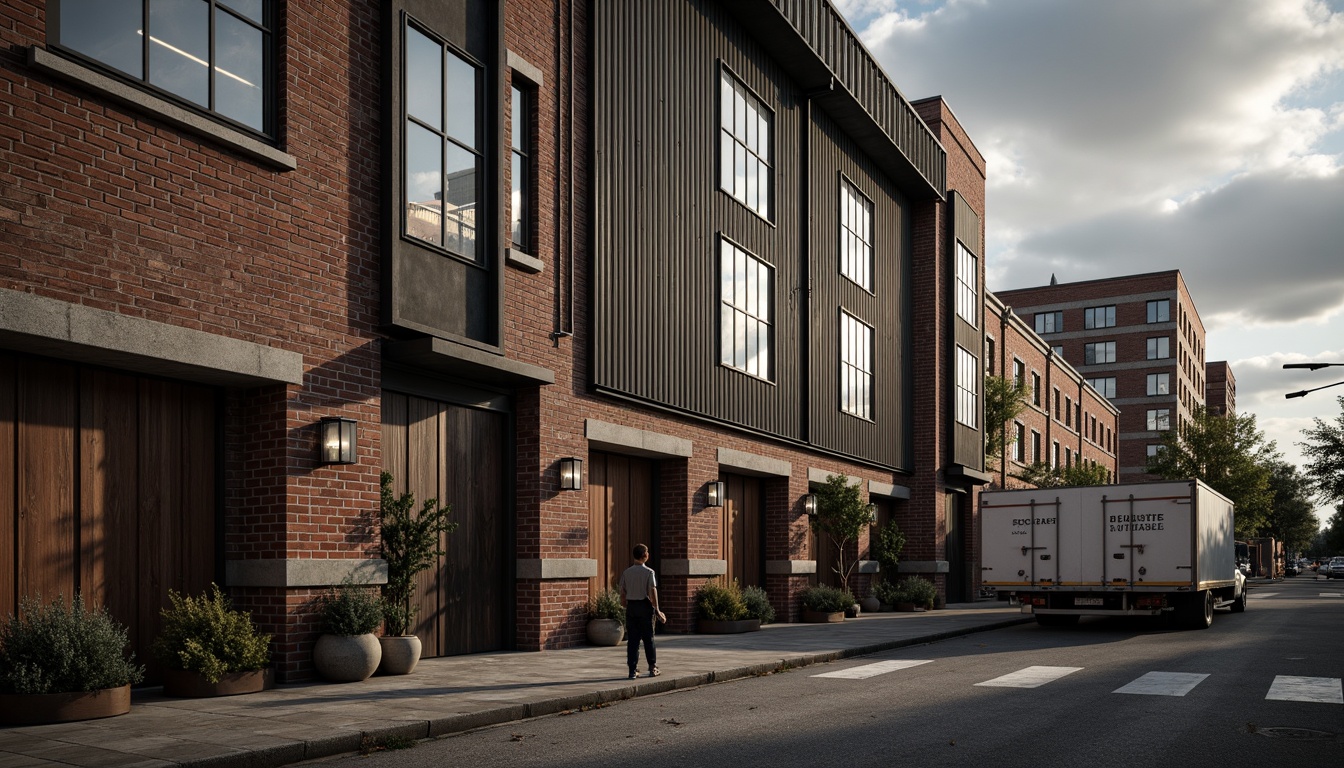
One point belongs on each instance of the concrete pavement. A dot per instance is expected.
(309, 720)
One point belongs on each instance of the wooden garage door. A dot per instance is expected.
(107, 485)
(743, 535)
(620, 506)
(459, 456)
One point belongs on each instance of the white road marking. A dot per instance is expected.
(1320, 690)
(1262, 594)
(1031, 677)
(1332, 594)
(1163, 684)
(876, 668)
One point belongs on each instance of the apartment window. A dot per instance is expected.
(989, 355)
(1154, 449)
(1159, 311)
(1035, 447)
(968, 280)
(1159, 419)
(1055, 462)
(1098, 353)
(1019, 441)
(443, 166)
(213, 55)
(1049, 322)
(1068, 411)
(1035, 389)
(1159, 348)
(1078, 416)
(856, 235)
(521, 148)
(1105, 386)
(856, 366)
(1019, 373)
(1099, 317)
(1059, 351)
(968, 388)
(1159, 384)
(1056, 404)
(1068, 457)
(746, 323)
(745, 146)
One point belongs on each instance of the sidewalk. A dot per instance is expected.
(447, 695)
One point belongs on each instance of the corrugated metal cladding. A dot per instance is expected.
(968, 445)
(834, 156)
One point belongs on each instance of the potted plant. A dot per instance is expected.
(825, 604)
(841, 517)
(721, 610)
(758, 604)
(606, 618)
(892, 594)
(887, 546)
(410, 545)
(62, 662)
(921, 592)
(348, 651)
(209, 649)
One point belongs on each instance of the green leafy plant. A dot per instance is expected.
(606, 605)
(350, 609)
(410, 545)
(204, 634)
(891, 593)
(887, 548)
(64, 648)
(841, 516)
(826, 599)
(919, 591)
(718, 600)
(758, 604)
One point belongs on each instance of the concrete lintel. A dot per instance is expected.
(520, 65)
(790, 567)
(304, 572)
(922, 566)
(818, 476)
(868, 566)
(635, 442)
(557, 568)
(683, 567)
(888, 490)
(751, 464)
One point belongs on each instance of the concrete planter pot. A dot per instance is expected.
(400, 654)
(714, 627)
(605, 632)
(870, 605)
(347, 658)
(40, 708)
(190, 684)
(823, 617)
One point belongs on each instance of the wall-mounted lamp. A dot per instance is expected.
(336, 441)
(810, 505)
(571, 474)
(872, 514)
(715, 492)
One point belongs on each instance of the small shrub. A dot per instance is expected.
(350, 610)
(758, 604)
(887, 549)
(720, 601)
(607, 605)
(204, 634)
(890, 593)
(826, 599)
(919, 591)
(60, 648)
(410, 545)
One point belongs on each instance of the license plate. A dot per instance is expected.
(1088, 601)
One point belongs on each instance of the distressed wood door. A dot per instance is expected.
(743, 535)
(620, 513)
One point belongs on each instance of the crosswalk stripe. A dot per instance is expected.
(1031, 677)
(1322, 690)
(1163, 684)
(1332, 594)
(873, 670)
(1262, 594)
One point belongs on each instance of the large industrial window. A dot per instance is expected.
(1159, 384)
(968, 388)
(1159, 348)
(856, 366)
(521, 150)
(1049, 322)
(1104, 385)
(968, 303)
(856, 235)
(745, 166)
(1159, 419)
(1159, 311)
(443, 139)
(746, 332)
(1098, 353)
(1099, 317)
(215, 55)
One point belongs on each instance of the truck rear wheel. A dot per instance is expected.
(1239, 605)
(1199, 611)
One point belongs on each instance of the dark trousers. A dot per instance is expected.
(639, 628)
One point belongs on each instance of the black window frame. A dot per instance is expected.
(769, 160)
(1158, 307)
(527, 154)
(1053, 319)
(1106, 312)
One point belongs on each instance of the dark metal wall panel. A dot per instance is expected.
(968, 445)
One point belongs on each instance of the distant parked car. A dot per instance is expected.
(1290, 569)
(1336, 568)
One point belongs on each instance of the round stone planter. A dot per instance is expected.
(713, 627)
(870, 604)
(605, 632)
(400, 654)
(823, 617)
(347, 659)
(40, 708)
(190, 684)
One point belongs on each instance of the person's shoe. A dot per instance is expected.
(653, 672)
(633, 675)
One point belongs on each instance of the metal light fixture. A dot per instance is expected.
(336, 441)
(872, 513)
(715, 492)
(1310, 367)
(810, 505)
(571, 474)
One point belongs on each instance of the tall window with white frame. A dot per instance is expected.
(443, 155)
(520, 200)
(968, 281)
(856, 235)
(856, 366)
(746, 325)
(745, 153)
(968, 389)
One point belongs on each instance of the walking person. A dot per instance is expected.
(639, 590)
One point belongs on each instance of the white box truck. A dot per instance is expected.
(1138, 549)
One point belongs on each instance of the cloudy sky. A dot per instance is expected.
(1145, 135)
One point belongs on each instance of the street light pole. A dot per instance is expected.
(1310, 367)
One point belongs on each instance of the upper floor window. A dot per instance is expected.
(968, 388)
(1159, 311)
(1104, 385)
(1159, 419)
(1035, 447)
(443, 144)
(1058, 350)
(746, 326)
(1098, 353)
(856, 366)
(1099, 317)
(1019, 373)
(1159, 348)
(856, 235)
(1159, 384)
(745, 151)
(521, 143)
(968, 278)
(1049, 322)
(1035, 388)
(213, 54)
(1019, 441)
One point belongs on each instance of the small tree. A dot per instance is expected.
(410, 545)
(887, 549)
(1042, 475)
(842, 516)
(1004, 401)
(1325, 450)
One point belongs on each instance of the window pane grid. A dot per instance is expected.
(1099, 353)
(967, 282)
(856, 367)
(745, 335)
(744, 157)
(967, 388)
(856, 236)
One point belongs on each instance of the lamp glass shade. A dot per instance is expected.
(810, 504)
(715, 492)
(336, 440)
(571, 474)
(872, 514)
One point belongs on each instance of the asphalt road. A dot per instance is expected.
(1194, 698)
